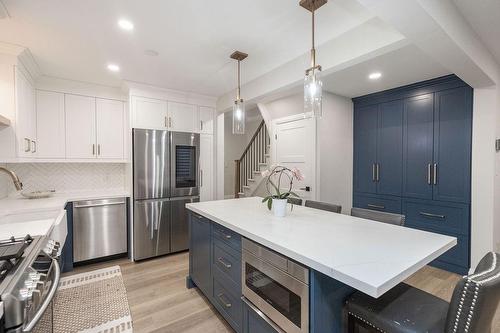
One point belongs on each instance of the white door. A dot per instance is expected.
(206, 120)
(295, 147)
(50, 124)
(149, 113)
(182, 117)
(80, 127)
(110, 124)
(206, 167)
(25, 116)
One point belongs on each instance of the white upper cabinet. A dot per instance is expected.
(50, 125)
(206, 123)
(149, 113)
(182, 117)
(110, 129)
(80, 127)
(25, 116)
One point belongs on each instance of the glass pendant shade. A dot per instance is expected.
(239, 117)
(313, 94)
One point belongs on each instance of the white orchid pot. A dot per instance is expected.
(279, 207)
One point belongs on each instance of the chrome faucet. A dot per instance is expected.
(15, 178)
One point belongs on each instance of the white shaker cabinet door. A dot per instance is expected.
(80, 127)
(149, 113)
(110, 126)
(206, 123)
(50, 124)
(183, 117)
(25, 116)
(206, 167)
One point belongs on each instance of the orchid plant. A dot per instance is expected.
(275, 177)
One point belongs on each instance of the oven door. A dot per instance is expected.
(281, 297)
(185, 156)
(40, 314)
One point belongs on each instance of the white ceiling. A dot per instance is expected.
(400, 67)
(484, 17)
(75, 39)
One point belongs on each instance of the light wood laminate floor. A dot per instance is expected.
(160, 302)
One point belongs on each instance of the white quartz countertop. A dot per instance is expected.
(369, 256)
(16, 204)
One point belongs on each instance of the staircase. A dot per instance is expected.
(254, 159)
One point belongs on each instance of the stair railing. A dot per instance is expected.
(253, 155)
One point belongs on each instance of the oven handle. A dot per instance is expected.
(262, 315)
(55, 283)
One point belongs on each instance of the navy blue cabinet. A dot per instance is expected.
(254, 323)
(389, 148)
(452, 145)
(421, 167)
(418, 125)
(200, 253)
(378, 148)
(365, 149)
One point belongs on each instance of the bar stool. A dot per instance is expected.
(384, 217)
(405, 309)
(323, 206)
(295, 201)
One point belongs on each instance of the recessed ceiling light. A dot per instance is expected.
(375, 76)
(126, 25)
(113, 67)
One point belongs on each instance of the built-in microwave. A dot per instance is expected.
(277, 286)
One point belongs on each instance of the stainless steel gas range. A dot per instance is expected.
(29, 277)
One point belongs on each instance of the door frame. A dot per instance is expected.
(315, 184)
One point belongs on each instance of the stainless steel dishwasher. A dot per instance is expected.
(99, 228)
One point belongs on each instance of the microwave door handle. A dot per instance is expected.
(52, 292)
(262, 315)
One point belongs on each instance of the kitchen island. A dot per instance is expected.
(342, 253)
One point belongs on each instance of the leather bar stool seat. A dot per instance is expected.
(323, 206)
(405, 309)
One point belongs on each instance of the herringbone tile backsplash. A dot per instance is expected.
(67, 177)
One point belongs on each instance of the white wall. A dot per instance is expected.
(335, 143)
(496, 227)
(483, 205)
(234, 146)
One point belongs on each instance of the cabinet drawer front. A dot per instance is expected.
(448, 218)
(228, 302)
(227, 261)
(383, 204)
(227, 236)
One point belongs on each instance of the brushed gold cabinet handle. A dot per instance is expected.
(33, 142)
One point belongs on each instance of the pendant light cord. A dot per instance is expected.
(238, 90)
(313, 50)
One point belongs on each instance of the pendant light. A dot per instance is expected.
(312, 83)
(239, 104)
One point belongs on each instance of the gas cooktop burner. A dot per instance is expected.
(11, 250)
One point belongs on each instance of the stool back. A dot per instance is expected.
(323, 206)
(295, 201)
(475, 298)
(384, 217)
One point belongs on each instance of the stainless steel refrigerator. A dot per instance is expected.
(166, 177)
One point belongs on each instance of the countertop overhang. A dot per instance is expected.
(369, 256)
